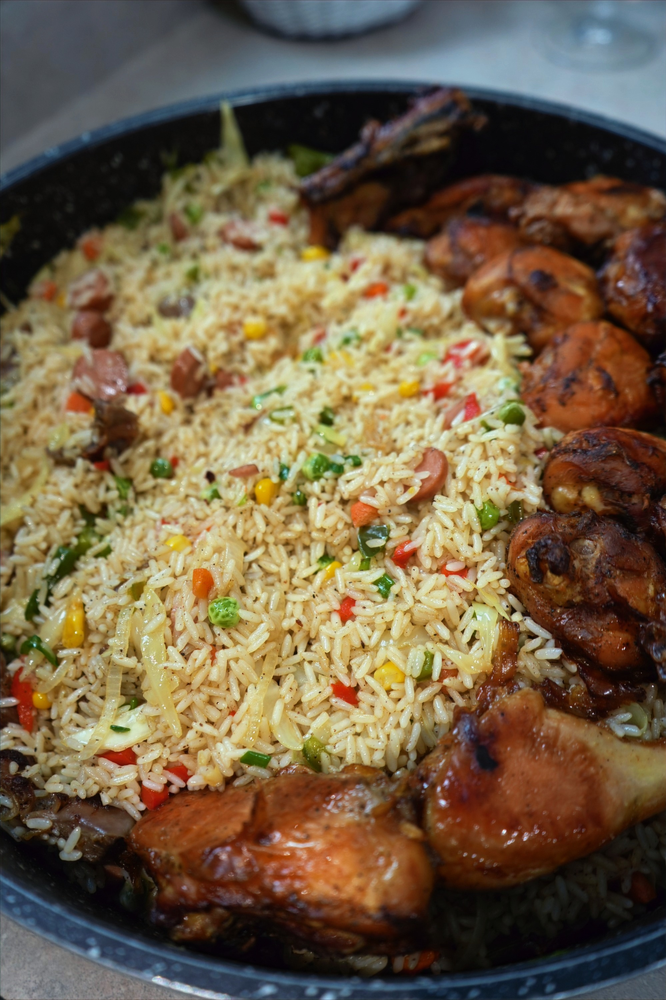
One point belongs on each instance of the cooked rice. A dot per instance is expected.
(267, 556)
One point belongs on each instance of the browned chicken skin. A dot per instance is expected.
(634, 284)
(612, 471)
(487, 195)
(334, 859)
(585, 213)
(593, 375)
(594, 585)
(525, 789)
(465, 245)
(533, 290)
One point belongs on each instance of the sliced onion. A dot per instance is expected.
(491, 598)
(15, 510)
(257, 707)
(154, 659)
(111, 705)
(50, 633)
(134, 720)
(285, 732)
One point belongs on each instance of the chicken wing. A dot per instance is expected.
(593, 375)
(585, 213)
(525, 789)
(591, 583)
(334, 859)
(533, 290)
(614, 472)
(487, 195)
(634, 284)
(465, 245)
(392, 165)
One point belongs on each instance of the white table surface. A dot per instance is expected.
(484, 43)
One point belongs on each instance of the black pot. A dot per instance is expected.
(88, 182)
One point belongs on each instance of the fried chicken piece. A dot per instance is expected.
(488, 195)
(333, 859)
(634, 284)
(593, 375)
(585, 213)
(593, 584)
(533, 290)
(614, 472)
(392, 165)
(525, 789)
(465, 245)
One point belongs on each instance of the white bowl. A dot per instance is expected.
(326, 18)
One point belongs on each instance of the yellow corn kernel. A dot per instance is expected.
(178, 543)
(166, 402)
(40, 700)
(338, 358)
(255, 329)
(407, 389)
(74, 628)
(265, 491)
(331, 568)
(389, 674)
(61, 300)
(315, 253)
(366, 387)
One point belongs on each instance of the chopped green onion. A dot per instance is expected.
(133, 703)
(124, 510)
(284, 472)
(137, 589)
(254, 759)
(223, 612)
(336, 468)
(378, 533)
(415, 331)
(331, 435)
(354, 460)
(119, 729)
(163, 248)
(257, 402)
(384, 584)
(410, 291)
(313, 354)
(512, 413)
(193, 273)
(315, 466)
(194, 213)
(299, 498)
(426, 670)
(353, 337)
(486, 426)
(282, 415)
(515, 512)
(210, 493)
(88, 515)
(312, 750)
(123, 486)
(86, 540)
(489, 515)
(325, 560)
(32, 607)
(161, 468)
(327, 417)
(34, 642)
(130, 217)
(306, 160)
(8, 643)
(424, 358)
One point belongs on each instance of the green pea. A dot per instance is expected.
(315, 466)
(313, 354)
(161, 468)
(489, 515)
(210, 493)
(284, 472)
(223, 612)
(299, 498)
(512, 413)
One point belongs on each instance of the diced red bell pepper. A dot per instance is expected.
(641, 890)
(77, 403)
(472, 408)
(175, 461)
(278, 217)
(152, 799)
(319, 336)
(22, 691)
(122, 757)
(455, 572)
(91, 246)
(103, 466)
(375, 290)
(344, 692)
(404, 552)
(441, 390)
(179, 770)
(355, 263)
(346, 610)
(424, 961)
(362, 513)
(541, 452)
(46, 290)
(136, 389)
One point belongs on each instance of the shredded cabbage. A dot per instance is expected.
(486, 619)
(133, 719)
(491, 598)
(154, 659)
(233, 147)
(15, 510)
(112, 698)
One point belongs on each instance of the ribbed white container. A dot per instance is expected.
(326, 18)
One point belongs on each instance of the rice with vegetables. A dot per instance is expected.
(252, 582)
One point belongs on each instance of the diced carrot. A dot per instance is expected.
(46, 290)
(404, 552)
(22, 691)
(344, 692)
(346, 610)
(642, 890)
(472, 408)
(179, 770)
(278, 217)
(121, 757)
(103, 466)
(137, 389)
(440, 390)
(376, 289)
(152, 799)
(415, 964)
(91, 246)
(77, 403)
(362, 513)
(202, 582)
